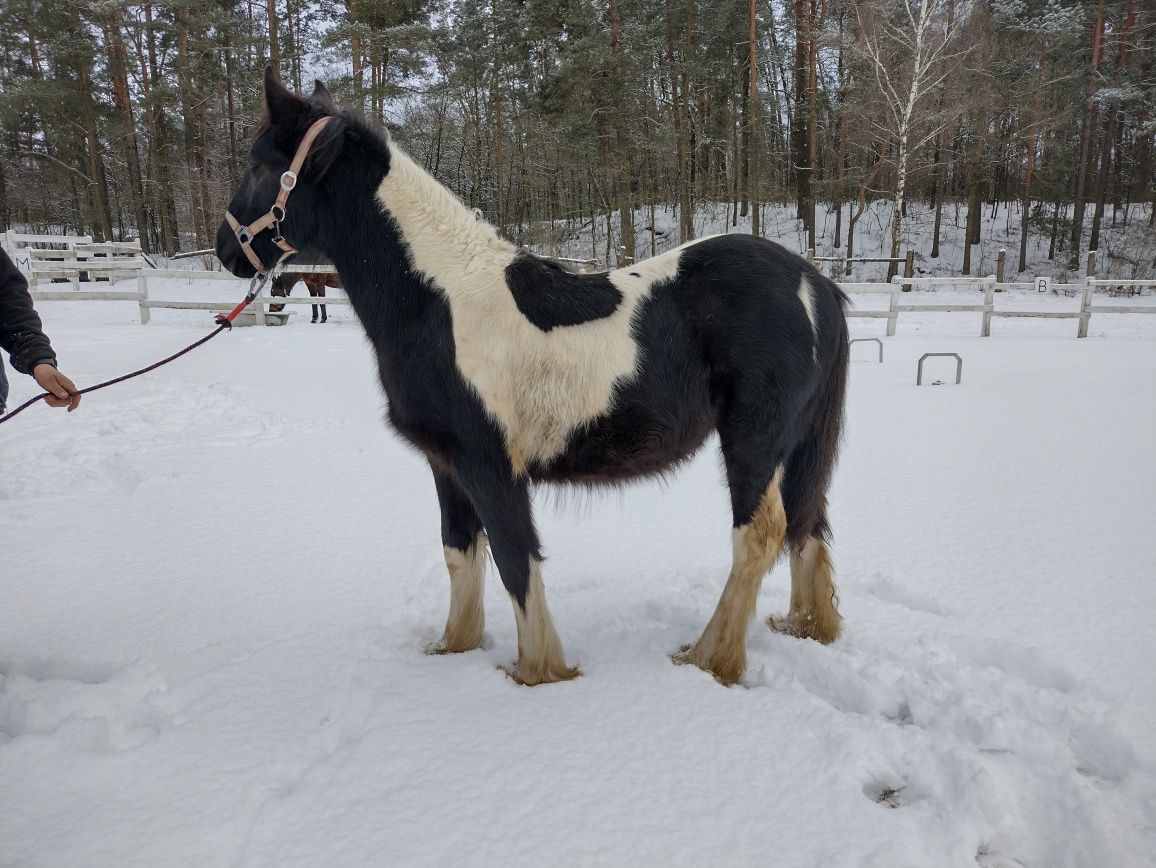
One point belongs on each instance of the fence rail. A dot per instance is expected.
(898, 298)
(69, 257)
(990, 286)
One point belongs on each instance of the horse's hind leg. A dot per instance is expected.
(317, 290)
(760, 525)
(814, 612)
(464, 544)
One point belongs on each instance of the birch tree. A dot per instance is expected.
(907, 47)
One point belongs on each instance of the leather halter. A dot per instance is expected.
(273, 217)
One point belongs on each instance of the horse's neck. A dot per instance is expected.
(397, 235)
(447, 241)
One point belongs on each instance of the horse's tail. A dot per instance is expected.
(812, 462)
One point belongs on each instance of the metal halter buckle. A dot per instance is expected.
(243, 235)
(288, 180)
(277, 218)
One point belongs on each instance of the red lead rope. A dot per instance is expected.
(224, 322)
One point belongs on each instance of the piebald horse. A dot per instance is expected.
(506, 370)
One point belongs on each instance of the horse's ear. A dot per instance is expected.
(282, 106)
(321, 94)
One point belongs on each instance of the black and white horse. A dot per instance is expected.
(507, 370)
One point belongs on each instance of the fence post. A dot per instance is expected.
(811, 256)
(258, 313)
(1000, 263)
(1085, 309)
(893, 312)
(908, 268)
(621, 256)
(142, 287)
(988, 306)
(1086, 302)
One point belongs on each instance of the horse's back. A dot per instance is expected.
(750, 303)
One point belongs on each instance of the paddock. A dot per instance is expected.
(208, 654)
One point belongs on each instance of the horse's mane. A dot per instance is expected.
(446, 214)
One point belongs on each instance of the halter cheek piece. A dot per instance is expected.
(273, 217)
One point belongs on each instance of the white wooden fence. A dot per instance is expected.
(20, 246)
(68, 257)
(899, 302)
(146, 303)
(256, 308)
(987, 308)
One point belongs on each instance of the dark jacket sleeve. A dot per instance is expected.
(21, 333)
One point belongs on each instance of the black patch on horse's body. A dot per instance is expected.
(549, 295)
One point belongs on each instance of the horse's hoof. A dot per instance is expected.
(727, 675)
(784, 624)
(801, 627)
(441, 647)
(526, 679)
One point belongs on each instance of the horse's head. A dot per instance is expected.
(279, 287)
(261, 231)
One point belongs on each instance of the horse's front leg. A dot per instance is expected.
(464, 545)
(503, 503)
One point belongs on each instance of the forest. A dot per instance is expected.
(130, 120)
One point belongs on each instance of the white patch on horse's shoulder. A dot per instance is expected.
(807, 298)
(538, 386)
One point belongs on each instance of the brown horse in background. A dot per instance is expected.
(315, 282)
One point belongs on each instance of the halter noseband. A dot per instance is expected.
(273, 217)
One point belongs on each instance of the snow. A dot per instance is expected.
(216, 582)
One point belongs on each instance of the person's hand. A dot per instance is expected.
(61, 391)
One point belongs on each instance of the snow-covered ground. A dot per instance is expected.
(216, 581)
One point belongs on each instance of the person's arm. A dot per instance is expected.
(22, 335)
